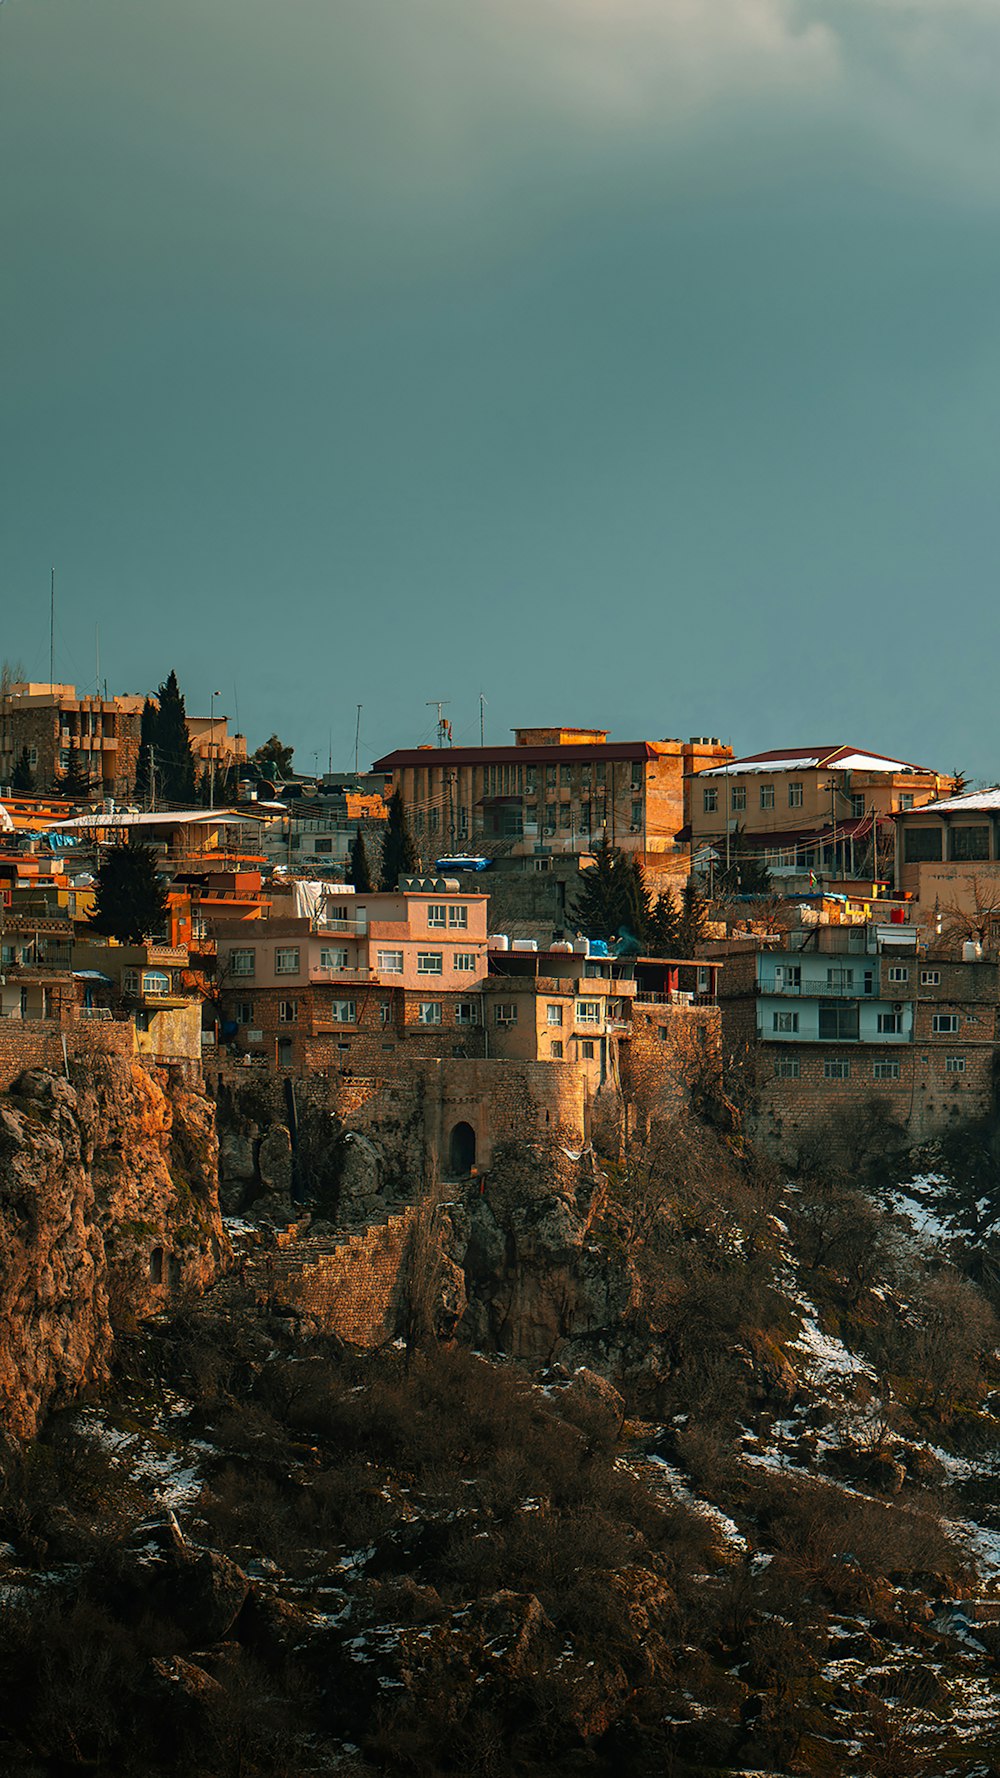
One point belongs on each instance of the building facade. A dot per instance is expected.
(555, 791)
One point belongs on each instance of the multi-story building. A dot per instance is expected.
(947, 848)
(802, 809)
(349, 984)
(556, 791)
(47, 720)
(316, 833)
(848, 1017)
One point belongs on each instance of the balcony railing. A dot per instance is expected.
(822, 990)
(681, 997)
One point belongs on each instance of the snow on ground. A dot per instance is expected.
(173, 1480)
(730, 1533)
(829, 1364)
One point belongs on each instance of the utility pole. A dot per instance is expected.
(52, 631)
(443, 725)
(482, 720)
(357, 740)
(211, 749)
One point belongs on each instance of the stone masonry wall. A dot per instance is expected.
(37, 1043)
(352, 1291)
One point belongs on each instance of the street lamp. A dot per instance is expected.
(211, 749)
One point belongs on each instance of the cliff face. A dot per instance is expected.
(108, 1211)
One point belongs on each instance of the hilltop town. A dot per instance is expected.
(809, 932)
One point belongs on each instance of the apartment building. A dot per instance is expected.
(854, 1017)
(556, 791)
(946, 848)
(349, 983)
(823, 809)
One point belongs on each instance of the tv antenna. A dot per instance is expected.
(443, 725)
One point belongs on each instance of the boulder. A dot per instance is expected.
(275, 1161)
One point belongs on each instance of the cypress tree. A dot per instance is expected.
(603, 899)
(664, 922)
(145, 763)
(358, 871)
(399, 852)
(22, 780)
(173, 746)
(130, 901)
(694, 916)
(76, 782)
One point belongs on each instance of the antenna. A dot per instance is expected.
(443, 725)
(482, 720)
(357, 740)
(52, 630)
(97, 651)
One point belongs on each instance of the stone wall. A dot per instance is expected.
(354, 1289)
(38, 1043)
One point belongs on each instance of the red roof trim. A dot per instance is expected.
(474, 756)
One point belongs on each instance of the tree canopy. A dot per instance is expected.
(272, 760)
(399, 852)
(23, 778)
(612, 900)
(358, 869)
(76, 782)
(174, 758)
(130, 901)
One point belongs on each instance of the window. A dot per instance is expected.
(954, 1064)
(738, 797)
(430, 1012)
(529, 779)
(344, 1012)
(767, 796)
(885, 1070)
(970, 842)
(636, 815)
(32, 756)
(836, 1070)
(464, 960)
(898, 972)
(785, 1021)
(930, 978)
(553, 1014)
(436, 914)
(550, 817)
(390, 962)
(710, 801)
(565, 776)
(601, 771)
(467, 1013)
(384, 1012)
(433, 820)
(286, 960)
(921, 845)
(556, 1048)
(944, 1022)
(565, 816)
(588, 1012)
(839, 977)
(288, 1011)
(795, 796)
(320, 846)
(787, 1068)
(837, 1021)
(155, 981)
(587, 1050)
(906, 800)
(332, 957)
(787, 975)
(505, 1013)
(130, 981)
(890, 1024)
(243, 1012)
(857, 807)
(241, 962)
(430, 962)
(458, 916)
(550, 777)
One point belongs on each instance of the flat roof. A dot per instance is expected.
(809, 759)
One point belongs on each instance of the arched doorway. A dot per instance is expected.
(462, 1151)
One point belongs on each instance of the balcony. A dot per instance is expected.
(319, 973)
(820, 990)
(680, 997)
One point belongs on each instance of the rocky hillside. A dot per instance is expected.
(108, 1211)
(704, 1484)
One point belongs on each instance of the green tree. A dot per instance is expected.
(273, 760)
(399, 852)
(145, 764)
(174, 758)
(693, 921)
(22, 780)
(76, 782)
(663, 926)
(358, 869)
(130, 900)
(612, 897)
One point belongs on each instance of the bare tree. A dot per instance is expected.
(976, 917)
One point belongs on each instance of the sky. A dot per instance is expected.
(627, 363)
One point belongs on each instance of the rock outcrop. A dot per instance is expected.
(108, 1211)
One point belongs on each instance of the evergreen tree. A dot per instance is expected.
(76, 782)
(693, 921)
(358, 871)
(173, 745)
(130, 901)
(273, 760)
(146, 763)
(612, 899)
(22, 780)
(399, 852)
(663, 928)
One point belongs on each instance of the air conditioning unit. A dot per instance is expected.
(897, 1006)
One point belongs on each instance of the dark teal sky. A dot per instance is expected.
(634, 362)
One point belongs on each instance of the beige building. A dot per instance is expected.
(47, 720)
(822, 809)
(555, 791)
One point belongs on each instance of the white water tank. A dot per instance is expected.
(972, 951)
(498, 941)
(525, 944)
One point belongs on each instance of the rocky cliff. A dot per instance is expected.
(108, 1211)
